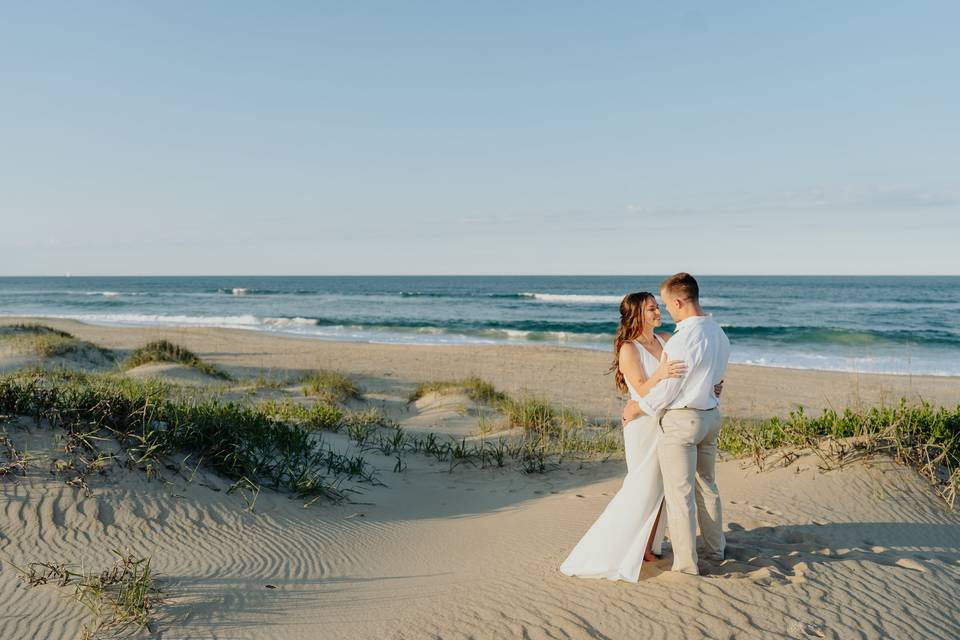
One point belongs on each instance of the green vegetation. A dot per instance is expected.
(278, 444)
(165, 351)
(123, 595)
(271, 380)
(33, 328)
(48, 342)
(477, 389)
(537, 415)
(316, 416)
(151, 420)
(922, 436)
(330, 386)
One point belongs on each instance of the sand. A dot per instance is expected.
(572, 377)
(865, 551)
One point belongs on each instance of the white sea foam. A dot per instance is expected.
(573, 298)
(884, 361)
(577, 298)
(137, 319)
(290, 322)
(109, 294)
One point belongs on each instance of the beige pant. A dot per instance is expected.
(688, 458)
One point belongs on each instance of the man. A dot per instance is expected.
(690, 422)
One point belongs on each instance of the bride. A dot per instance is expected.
(629, 530)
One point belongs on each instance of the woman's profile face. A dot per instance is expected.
(651, 313)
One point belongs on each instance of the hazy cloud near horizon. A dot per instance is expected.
(372, 138)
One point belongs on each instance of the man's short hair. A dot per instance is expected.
(682, 285)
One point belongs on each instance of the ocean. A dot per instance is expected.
(902, 325)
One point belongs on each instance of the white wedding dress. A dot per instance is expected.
(613, 547)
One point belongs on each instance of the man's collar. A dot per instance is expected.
(689, 322)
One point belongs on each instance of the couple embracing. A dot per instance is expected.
(670, 429)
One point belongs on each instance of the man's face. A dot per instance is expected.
(669, 302)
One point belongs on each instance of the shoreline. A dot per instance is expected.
(882, 364)
(568, 376)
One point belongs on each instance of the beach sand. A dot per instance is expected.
(864, 551)
(570, 377)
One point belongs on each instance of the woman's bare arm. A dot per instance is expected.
(632, 368)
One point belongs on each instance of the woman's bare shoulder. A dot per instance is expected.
(629, 350)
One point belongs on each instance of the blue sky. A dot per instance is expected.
(479, 138)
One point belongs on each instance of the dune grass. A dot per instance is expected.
(33, 328)
(122, 595)
(151, 421)
(165, 351)
(276, 444)
(48, 342)
(16, 460)
(271, 380)
(331, 386)
(476, 388)
(316, 416)
(924, 437)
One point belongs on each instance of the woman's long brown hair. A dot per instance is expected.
(631, 326)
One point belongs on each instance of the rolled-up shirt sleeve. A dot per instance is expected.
(661, 395)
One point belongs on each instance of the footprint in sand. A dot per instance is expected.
(767, 510)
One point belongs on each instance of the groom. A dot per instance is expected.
(690, 423)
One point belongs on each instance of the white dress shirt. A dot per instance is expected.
(703, 346)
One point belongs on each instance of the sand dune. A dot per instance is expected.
(172, 372)
(862, 551)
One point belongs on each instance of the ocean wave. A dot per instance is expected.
(290, 322)
(842, 337)
(137, 319)
(889, 364)
(896, 352)
(572, 298)
(71, 292)
(582, 298)
(441, 294)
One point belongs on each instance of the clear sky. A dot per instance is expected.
(456, 137)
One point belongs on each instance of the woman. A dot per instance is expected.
(628, 531)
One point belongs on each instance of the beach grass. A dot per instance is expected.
(319, 415)
(152, 420)
(33, 328)
(123, 595)
(332, 386)
(922, 436)
(16, 460)
(166, 351)
(278, 444)
(477, 389)
(531, 413)
(271, 380)
(48, 342)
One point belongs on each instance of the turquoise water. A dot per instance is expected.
(872, 324)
